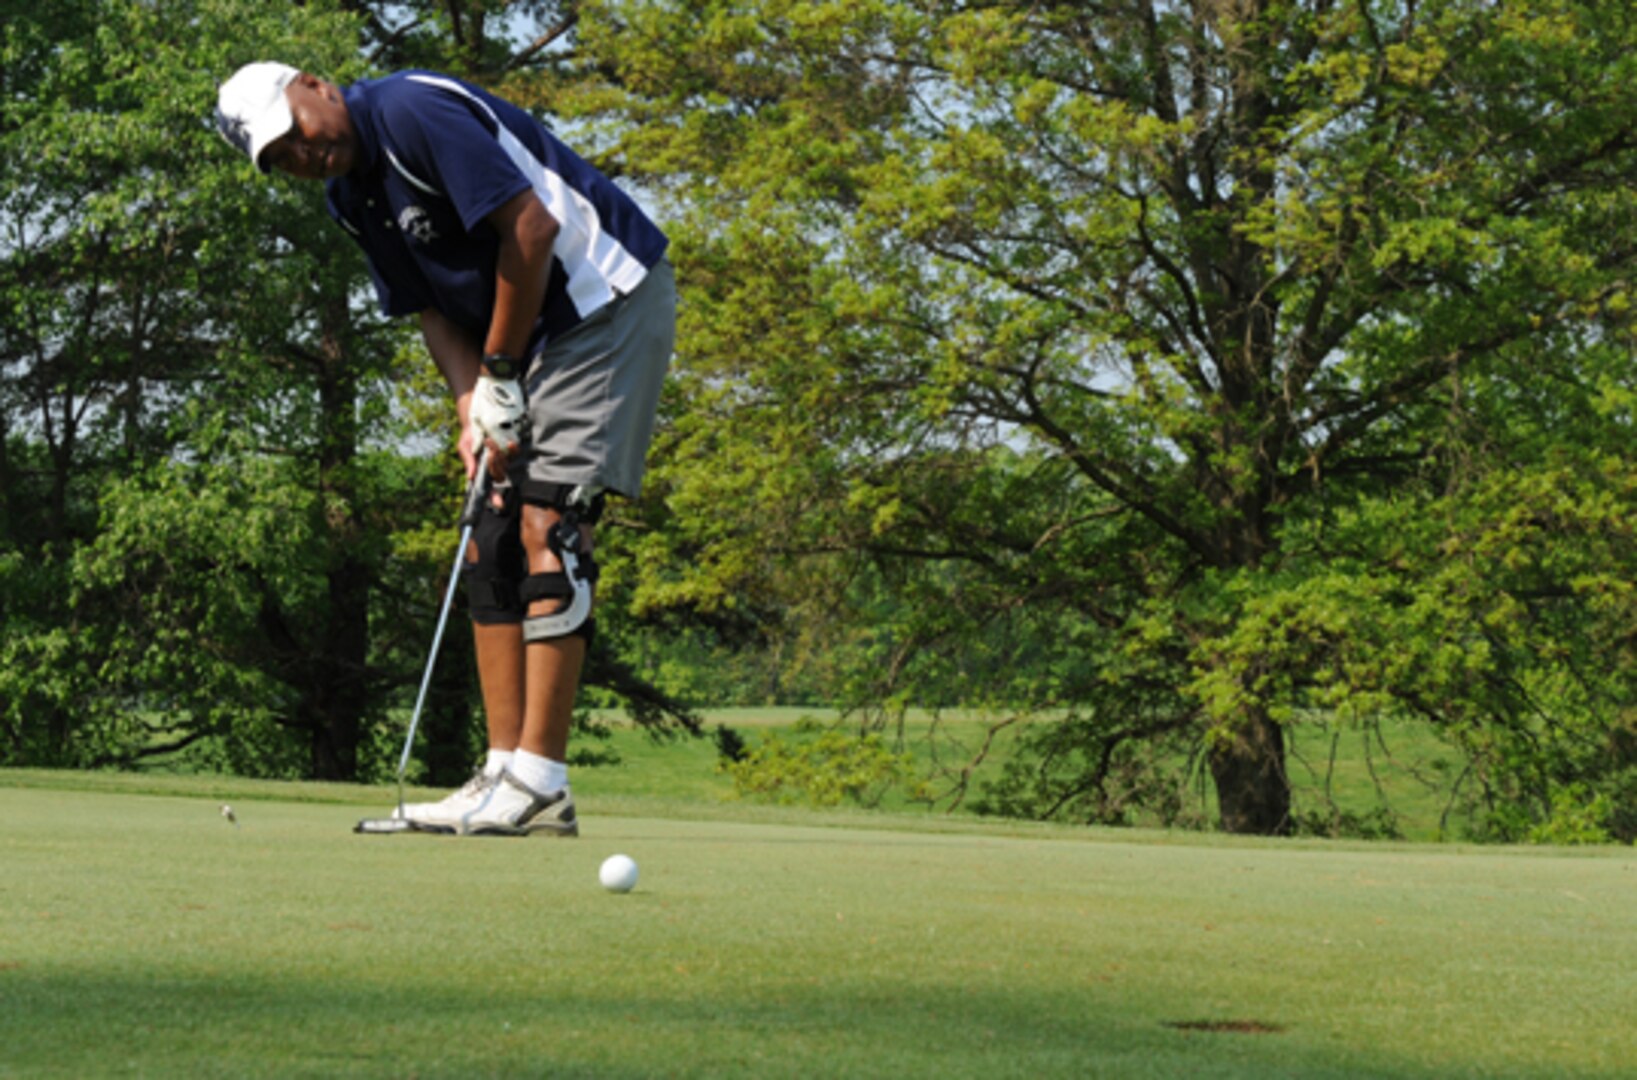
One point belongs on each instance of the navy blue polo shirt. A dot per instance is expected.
(436, 156)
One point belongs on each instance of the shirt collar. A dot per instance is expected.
(361, 106)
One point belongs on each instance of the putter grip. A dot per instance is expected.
(476, 490)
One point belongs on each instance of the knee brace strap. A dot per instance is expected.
(573, 583)
(574, 619)
(585, 502)
(491, 578)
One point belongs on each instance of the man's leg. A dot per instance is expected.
(533, 794)
(494, 564)
(553, 666)
(497, 633)
(500, 673)
(593, 396)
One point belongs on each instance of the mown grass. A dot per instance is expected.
(145, 935)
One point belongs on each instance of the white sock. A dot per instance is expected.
(496, 761)
(540, 773)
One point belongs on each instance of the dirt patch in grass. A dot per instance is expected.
(1231, 1027)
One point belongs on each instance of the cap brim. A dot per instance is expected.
(274, 123)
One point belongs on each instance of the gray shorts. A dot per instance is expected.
(593, 393)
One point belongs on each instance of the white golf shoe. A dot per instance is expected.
(445, 814)
(512, 808)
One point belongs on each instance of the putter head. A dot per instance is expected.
(383, 826)
(387, 826)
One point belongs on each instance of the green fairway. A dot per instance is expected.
(144, 934)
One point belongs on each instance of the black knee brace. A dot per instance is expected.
(573, 584)
(495, 563)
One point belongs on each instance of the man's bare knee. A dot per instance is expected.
(538, 521)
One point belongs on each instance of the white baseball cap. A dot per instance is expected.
(251, 109)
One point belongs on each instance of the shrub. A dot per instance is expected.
(821, 771)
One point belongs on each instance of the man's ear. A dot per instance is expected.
(312, 84)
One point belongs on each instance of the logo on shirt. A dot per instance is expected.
(417, 224)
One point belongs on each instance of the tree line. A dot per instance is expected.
(1166, 373)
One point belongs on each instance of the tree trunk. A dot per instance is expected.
(448, 726)
(338, 692)
(1252, 789)
(7, 481)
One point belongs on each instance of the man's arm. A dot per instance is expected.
(456, 355)
(527, 233)
(458, 358)
(522, 267)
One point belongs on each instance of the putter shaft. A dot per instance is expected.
(468, 517)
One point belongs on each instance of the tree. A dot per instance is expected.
(162, 308)
(213, 536)
(1185, 340)
(478, 39)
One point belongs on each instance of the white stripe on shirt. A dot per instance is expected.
(582, 244)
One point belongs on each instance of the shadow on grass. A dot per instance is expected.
(197, 1023)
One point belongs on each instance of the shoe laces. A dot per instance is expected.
(478, 784)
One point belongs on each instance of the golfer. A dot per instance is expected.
(545, 298)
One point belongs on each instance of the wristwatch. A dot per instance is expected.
(501, 366)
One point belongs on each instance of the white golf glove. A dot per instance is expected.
(497, 411)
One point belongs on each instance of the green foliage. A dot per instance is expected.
(155, 307)
(730, 745)
(1378, 823)
(1579, 816)
(1172, 383)
(1178, 371)
(822, 769)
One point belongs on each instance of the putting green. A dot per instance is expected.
(145, 934)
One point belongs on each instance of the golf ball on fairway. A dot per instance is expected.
(618, 873)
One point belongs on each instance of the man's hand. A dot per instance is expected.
(498, 413)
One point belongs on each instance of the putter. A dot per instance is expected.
(468, 517)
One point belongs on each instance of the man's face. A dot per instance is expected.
(322, 142)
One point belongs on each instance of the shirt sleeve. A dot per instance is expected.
(446, 137)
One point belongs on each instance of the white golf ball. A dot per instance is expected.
(618, 873)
